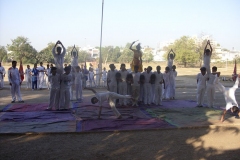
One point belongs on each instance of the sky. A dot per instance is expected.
(149, 21)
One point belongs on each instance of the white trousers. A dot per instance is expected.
(210, 94)
(122, 88)
(65, 98)
(200, 95)
(153, 93)
(135, 93)
(147, 93)
(78, 88)
(113, 87)
(29, 82)
(15, 91)
(54, 98)
(112, 103)
(158, 94)
(41, 81)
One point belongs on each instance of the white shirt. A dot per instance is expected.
(136, 78)
(104, 74)
(159, 78)
(59, 58)
(201, 79)
(41, 68)
(54, 81)
(111, 75)
(211, 78)
(78, 78)
(206, 60)
(28, 73)
(74, 59)
(170, 62)
(2, 71)
(66, 81)
(14, 76)
(147, 76)
(123, 75)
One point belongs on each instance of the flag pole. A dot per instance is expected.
(100, 54)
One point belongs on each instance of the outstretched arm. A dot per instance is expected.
(223, 115)
(173, 54)
(210, 47)
(205, 48)
(72, 49)
(132, 45)
(90, 89)
(53, 50)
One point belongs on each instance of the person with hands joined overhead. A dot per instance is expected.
(170, 57)
(207, 57)
(59, 57)
(100, 97)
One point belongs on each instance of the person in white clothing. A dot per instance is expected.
(48, 73)
(111, 79)
(122, 86)
(104, 77)
(100, 97)
(201, 86)
(173, 75)
(147, 86)
(158, 86)
(59, 57)
(229, 95)
(28, 76)
(97, 74)
(135, 86)
(54, 80)
(2, 75)
(41, 73)
(78, 83)
(167, 77)
(91, 78)
(207, 57)
(15, 82)
(74, 56)
(66, 82)
(170, 57)
(211, 86)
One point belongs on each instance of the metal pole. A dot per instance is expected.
(100, 54)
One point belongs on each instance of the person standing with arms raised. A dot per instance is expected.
(59, 56)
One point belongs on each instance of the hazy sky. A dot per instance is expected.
(151, 21)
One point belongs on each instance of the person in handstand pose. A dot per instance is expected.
(229, 95)
(100, 97)
(137, 57)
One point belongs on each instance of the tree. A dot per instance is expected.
(126, 55)
(3, 53)
(21, 49)
(147, 55)
(46, 53)
(185, 49)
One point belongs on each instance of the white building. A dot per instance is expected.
(94, 52)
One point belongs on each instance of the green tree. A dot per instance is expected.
(46, 53)
(126, 55)
(3, 53)
(21, 49)
(147, 55)
(185, 49)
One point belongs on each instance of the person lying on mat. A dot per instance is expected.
(100, 97)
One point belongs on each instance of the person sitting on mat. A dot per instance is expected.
(100, 97)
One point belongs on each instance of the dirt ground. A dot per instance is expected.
(211, 142)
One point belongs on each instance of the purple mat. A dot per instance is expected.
(122, 124)
(40, 116)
